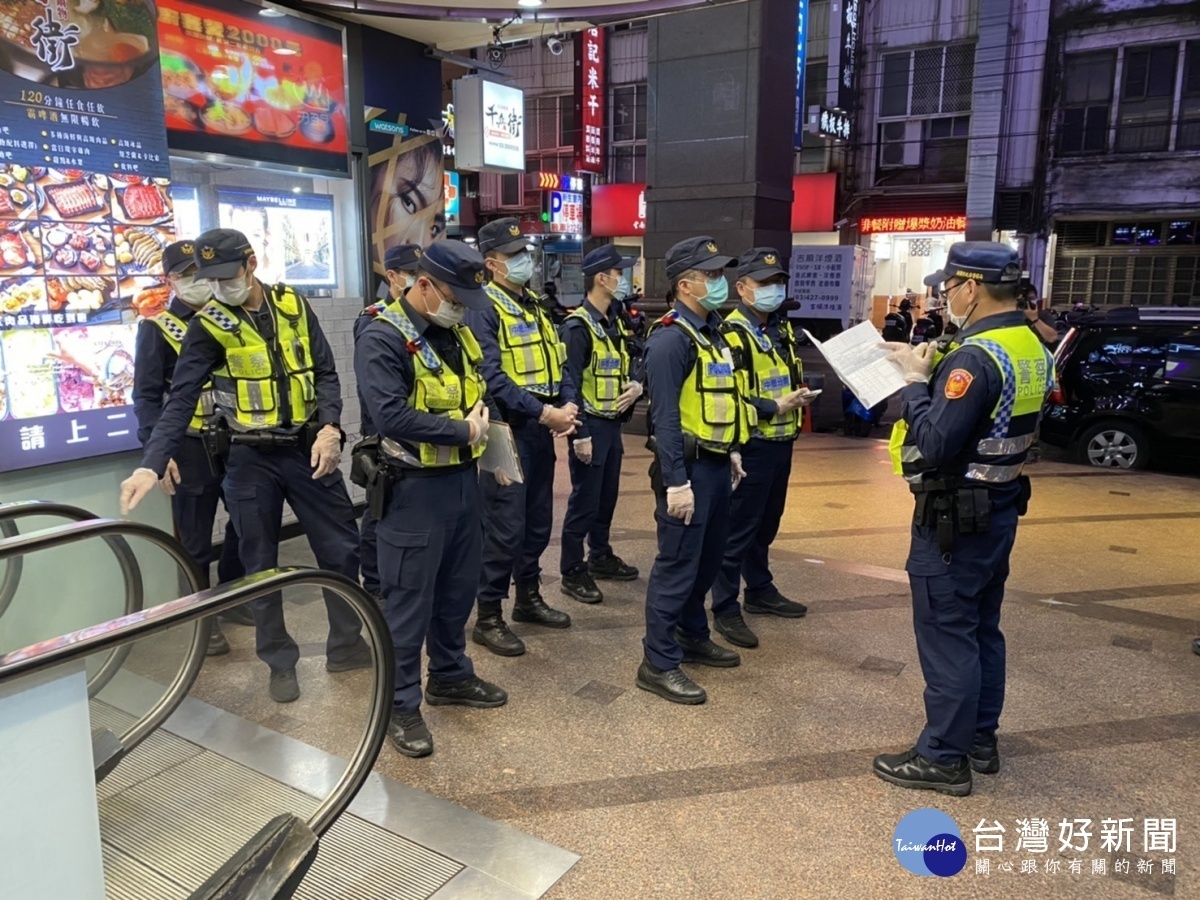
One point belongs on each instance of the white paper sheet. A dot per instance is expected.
(861, 364)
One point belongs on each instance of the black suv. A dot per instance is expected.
(1128, 387)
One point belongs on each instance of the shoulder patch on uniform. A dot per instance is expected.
(958, 383)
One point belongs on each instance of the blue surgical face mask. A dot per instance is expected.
(769, 297)
(718, 293)
(624, 287)
(520, 269)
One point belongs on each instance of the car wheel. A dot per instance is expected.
(1114, 445)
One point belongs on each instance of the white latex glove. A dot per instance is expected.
(479, 422)
(135, 487)
(629, 396)
(793, 401)
(503, 480)
(326, 452)
(681, 503)
(583, 450)
(170, 479)
(915, 362)
(735, 468)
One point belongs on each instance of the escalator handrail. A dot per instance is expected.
(185, 677)
(131, 572)
(81, 644)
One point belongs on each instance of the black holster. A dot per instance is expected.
(216, 442)
(367, 471)
(1026, 492)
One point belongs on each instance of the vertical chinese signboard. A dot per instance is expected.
(85, 211)
(590, 95)
(847, 93)
(801, 120)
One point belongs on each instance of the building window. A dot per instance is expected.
(932, 81)
(1147, 95)
(1086, 104)
(549, 122)
(511, 193)
(629, 164)
(629, 113)
(1189, 103)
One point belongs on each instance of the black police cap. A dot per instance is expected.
(459, 266)
(221, 253)
(503, 236)
(696, 253)
(605, 259)
(178, 257)
(760, 264)
(986, 261)
(402, 258)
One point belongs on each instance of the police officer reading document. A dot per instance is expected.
(419, 371)
(278, 402)
(968, 423)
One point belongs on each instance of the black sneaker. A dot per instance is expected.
(578, 584)
(493, 632)
(359, 657)
(706, 653)
(735, 630)
(473, 692)
(218, 645)
(611, 568)
(239, 615)
(775, 605)
(985, 754)
(284, 687)
(911, 770)
(410, 735)
(1196, 646)
(530, 607)
(670, 684)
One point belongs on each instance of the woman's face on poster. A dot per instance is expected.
(414, 204)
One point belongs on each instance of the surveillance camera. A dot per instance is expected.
(841, 223)
(555, 46)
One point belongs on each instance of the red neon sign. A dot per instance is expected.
(892, 224)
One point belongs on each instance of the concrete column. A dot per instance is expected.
(719, 154)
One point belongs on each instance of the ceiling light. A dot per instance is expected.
(271, 13)
(296, 189)
(529, 4)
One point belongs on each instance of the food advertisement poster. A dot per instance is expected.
(85, 210)
(253, 82)
(292, 234)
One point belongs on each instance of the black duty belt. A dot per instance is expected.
(398, 470)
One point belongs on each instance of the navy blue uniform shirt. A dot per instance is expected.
(670, 355)
(201, 355)
(386, 376)
(154, 368)
(946, 428)
(514, 400)
(578, 338)
(366, 426)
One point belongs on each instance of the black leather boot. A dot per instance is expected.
(530, 607)
(670, 684)
(491, 631)
(985, 754)
(578, 584)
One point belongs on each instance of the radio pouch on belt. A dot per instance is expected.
(216, 442)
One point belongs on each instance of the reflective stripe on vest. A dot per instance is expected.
(1026, 370)
(711, 407)
(174, 330)
(607, 372)
(438, 390)
(531, 353)
(769, 374)
(247, 388)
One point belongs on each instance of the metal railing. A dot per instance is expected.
(199, 606)
(131, 572)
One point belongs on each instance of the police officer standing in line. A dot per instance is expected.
(279, 402)
(764, 349)
(523, 364)
(598, 362)
(968, 423)
(400, 270)
(194, 488)
(418, 370)
(698, 419)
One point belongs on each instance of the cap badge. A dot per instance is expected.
(769, 259)
(188, 249)
(417, 252)
(711, 247)
(208, 252)
(479, 277)
(514, 230)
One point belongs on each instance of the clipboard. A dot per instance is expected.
(500, 455)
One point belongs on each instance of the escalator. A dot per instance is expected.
(194, 802)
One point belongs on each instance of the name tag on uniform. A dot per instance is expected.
(609, 364)
(720, 370)
(522, 329)
(776, 383)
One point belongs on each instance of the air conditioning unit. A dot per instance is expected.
(900, 144)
